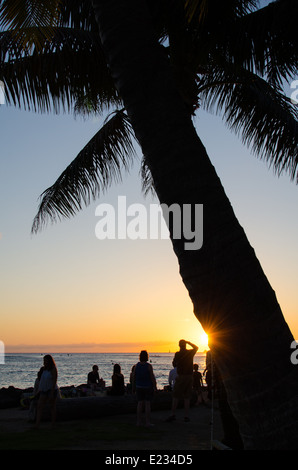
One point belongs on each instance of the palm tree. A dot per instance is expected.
(159, 86)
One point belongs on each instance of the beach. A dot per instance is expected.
(118, 432)
(104, 425)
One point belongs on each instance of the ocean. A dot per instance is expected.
(20, 370)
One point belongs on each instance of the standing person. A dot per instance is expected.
(198, 383)
(145, 385)
(34, 400)
(48, 388)
(172, 377)
(130, 386)
(183, 360)
(208, 375)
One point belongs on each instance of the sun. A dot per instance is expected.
(204, 340)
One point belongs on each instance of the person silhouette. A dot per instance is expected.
(198, 383)
(183, 360)
(93, 379)
(145, 385)
(34, 399)
(117, 382)
(47, 388)
(172, 377)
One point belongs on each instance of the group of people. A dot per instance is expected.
(97, 383)
(183, 379)
(142, 382)
(197, 379)
(46, 388)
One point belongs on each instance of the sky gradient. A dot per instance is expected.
(63, 290)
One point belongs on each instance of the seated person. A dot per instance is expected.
(94, 381)
(117, 382)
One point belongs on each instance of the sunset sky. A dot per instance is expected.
(64, 290)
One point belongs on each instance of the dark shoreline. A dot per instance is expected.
(11, 396)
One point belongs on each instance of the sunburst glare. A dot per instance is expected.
(204, 340)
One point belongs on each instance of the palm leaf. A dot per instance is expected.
(199, 11)
(210, 13)
(27, 16)
(99, 163)
(59, 75)
(147, 179)
(262, 41)
(265, 119)
(78, 14)
(266, 41)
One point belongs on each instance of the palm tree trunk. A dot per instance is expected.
(232, 298)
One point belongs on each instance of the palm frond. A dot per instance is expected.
(23, 16)
(78, 14)
(198, 10)
(262, 41)
(91, 104)
(266, 41)
(147, 179)
(97, 165)
(59, 75)
(264, 117)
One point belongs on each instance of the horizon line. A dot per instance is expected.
(98, 352)
(105, 348)
(131, 347)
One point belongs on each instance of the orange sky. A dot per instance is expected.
(64, 289)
